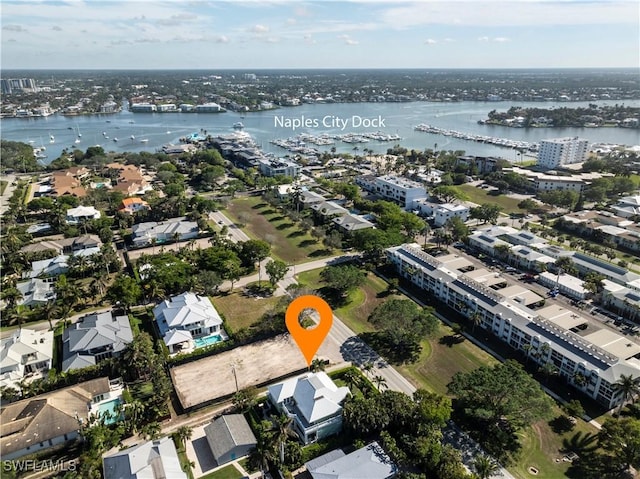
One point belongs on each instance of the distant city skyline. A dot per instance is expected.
(147, 34)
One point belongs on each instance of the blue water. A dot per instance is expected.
(110, 407)
(207, 340)
(400, 118)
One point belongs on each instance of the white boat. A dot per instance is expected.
(115, 139)
(168, 132)
(132, 137)
(104, 133)
(77, 140)
(238, 125)
(144, 140)
(52, 139)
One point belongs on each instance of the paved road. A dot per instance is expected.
(4, 200)
(235, 234)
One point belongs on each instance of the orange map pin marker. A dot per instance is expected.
(309, 340)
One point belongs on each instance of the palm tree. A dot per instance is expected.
(548, 369)
(151, 430)
(50, 311)
(476, 320)
(317, 365)
(367, 367)
(628, 387)
(380, 382)
(485, 466)
(282, 431)
(352, 379)
(183, 434)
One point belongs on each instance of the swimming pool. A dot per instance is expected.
(207, 340)
(110, 407)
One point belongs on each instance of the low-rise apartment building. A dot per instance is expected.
(281, 166)
(592, 363)
(393, 188)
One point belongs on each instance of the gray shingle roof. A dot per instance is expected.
(228, 432)
(370, 462)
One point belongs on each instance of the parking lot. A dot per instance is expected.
(597, 317)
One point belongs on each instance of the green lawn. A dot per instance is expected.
(261, 221)
(479, 196)
(228, 472)
(241, 311)
(360, 303)
(541, 449)
(443, 356)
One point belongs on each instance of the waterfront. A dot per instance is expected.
(399, 119)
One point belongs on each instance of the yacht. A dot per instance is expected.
(132, 137)
(144, 140)
(115, 139)
(238, 125)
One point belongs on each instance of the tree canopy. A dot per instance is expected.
(504, 391)
(343, 278)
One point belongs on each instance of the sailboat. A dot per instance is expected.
(79, 135)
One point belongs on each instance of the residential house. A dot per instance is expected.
(156, 459)
(48, 267)
(309, 198)
(130, 180)
(314, 403)
(230, 438)
(625, 301)
(370, 462)
(440, 213)
(329, 209)
(68, 182)
(350, 223)
(38, 423)
(36, 292)
(65, 245)
(81, 213)
(627, 206)
(601, 358)
(93, 338)
(161, 232)
(133, 205)
(185, 317)
(25, 354)
(483, 164)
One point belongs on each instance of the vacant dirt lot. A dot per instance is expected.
(212, 378)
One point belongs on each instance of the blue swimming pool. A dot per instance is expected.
(207, 340)
(110, 407)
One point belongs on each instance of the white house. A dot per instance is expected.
(36, 292)
(26, 353)
(161, 232)
(49, 267)
(565, 283)
(627, 206)
(186, 317)
(440, 213)
(370, 462)
(313, 401)
(157, 459)
(82, 213)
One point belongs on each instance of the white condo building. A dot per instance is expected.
(562, 151)
(397, 189)
(593, 363)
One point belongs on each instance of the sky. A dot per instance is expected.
(183, 34)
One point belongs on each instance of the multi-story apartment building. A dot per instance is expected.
(592, 363)
(562, 151)
(393, 188)
(281, 166)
